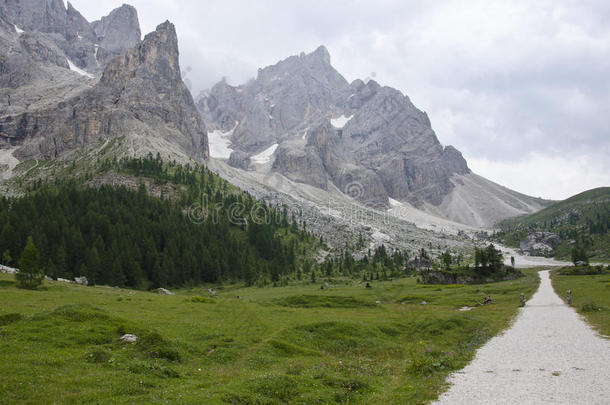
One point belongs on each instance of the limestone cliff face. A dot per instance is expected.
(88, 46)
(116, 33)
(140, 95)
(369, 140)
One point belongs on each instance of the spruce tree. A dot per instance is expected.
(29, 274)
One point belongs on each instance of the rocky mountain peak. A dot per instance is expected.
(155, 57)
(119, 30)
(88, 46)
(140, 96)
(320, 54)
(325, 130)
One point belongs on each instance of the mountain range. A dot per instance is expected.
(70, 86)
(300, 118)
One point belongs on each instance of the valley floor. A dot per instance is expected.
(394, 343)
(550, 355)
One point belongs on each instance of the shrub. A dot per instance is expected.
(98, 356)
(9, 318)
(155, 346)
(589, 306)
(199, 298)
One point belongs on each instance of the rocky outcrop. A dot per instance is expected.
(540, 244)
(140, 95)
(369, 141)
(88, 46)
(116, 33)
(240, 159)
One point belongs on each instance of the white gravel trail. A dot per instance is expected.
(549, 355)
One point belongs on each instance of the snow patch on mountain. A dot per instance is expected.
(265, 156)
(340, 122)
(18, 30)
(78, 70)
(7, 163)
(219, 143)
(395, 203)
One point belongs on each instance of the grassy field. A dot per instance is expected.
(590, 297)
(293, 344)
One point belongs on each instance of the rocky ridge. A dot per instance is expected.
(366, 140)
(88, 45)
(140, 94)
(369, 141)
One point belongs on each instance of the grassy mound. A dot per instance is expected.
(322, 301)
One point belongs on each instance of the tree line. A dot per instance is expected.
(124, 237)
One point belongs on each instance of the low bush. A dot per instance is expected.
(9, 318)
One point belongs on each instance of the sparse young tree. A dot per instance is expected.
(446, 259)
(29, 275)
(579, 254)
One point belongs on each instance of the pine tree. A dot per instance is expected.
(6, 257)
(29, 274)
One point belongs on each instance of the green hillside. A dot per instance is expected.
(198, 229)
(582, 220)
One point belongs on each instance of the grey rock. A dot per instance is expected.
(88, 46)
(386, 149)
(140, 94)
(117, 32)
(129, 338)
(81, 280)
(8, 270)
(240, 160)
(540, 244)
(164, 291)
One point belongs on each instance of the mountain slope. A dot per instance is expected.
(145, 224)
(480, 202)
(369, 141)
(140, 94)
(313, 127)
(88, 45)
(583, 219)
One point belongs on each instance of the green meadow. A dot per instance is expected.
(590, 296)
(273, 345)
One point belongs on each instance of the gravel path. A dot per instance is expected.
(549, 355)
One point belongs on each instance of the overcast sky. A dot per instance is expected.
(522, 88)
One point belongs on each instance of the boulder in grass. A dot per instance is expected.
(164, 291)
(129, 338)
(81, 280)
(63, 280)
(6, 269)
(540, 244)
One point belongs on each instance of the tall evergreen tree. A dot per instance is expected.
(29, 274)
